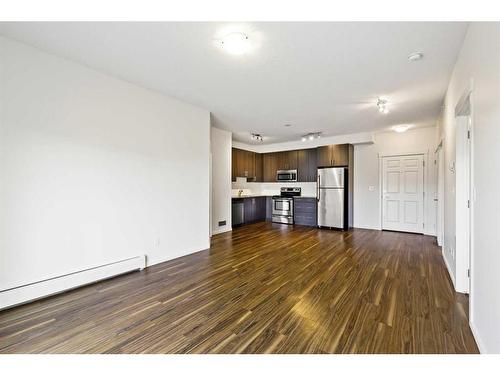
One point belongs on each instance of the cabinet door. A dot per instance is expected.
(313, 166)
(303, 165)
(291, 159)
(259, 172)
(286, 160)
(250, 165)
(239, 162)
(280, 160)
(270, 161)
(260, 209)
(324, 156)
(249, 213)
(305, 211)
(340, 155)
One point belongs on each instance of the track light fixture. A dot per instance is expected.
(382, 106)
(257, 137)
(311, 136)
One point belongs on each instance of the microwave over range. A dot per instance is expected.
(286, 175)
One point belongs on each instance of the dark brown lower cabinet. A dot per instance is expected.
(305, 211)
(254, 209)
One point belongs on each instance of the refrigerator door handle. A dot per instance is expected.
(319, 189)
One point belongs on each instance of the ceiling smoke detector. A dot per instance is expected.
(415, 56)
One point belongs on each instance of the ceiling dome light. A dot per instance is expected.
(235, 43)
(401, 128)
(415, 56)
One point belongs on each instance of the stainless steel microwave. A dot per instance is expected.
(288, 175)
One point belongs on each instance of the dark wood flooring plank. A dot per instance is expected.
(262, 288)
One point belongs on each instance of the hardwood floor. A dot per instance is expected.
(264, 288)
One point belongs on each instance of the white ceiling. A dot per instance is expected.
(316, 76)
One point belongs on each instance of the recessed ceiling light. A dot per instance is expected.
(288, 125)
(401, 128)
(415, 56)
(235, 43)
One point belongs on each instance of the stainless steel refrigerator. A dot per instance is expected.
(332, 198)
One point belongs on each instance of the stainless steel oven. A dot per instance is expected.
(286, 175)
(283, 205)
(283, 210)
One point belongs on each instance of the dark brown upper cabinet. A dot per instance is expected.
(270, 164)
(244, 164)
(306, 165)
(287, 160)
(340, 155)
(263, 167)
(259, 167)
(333, 156)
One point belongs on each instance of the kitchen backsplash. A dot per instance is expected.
(270, 188)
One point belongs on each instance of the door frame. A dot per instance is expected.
(440, 172)
(381, 157)
(463, 270)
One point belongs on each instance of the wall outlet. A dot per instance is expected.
(157, 242)
(371, 188)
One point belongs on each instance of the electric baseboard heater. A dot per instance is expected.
(17, 295)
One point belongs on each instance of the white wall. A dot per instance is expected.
(367, 202)
(221, 141)
(94, 169)
(479, 61)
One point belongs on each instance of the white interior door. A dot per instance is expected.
(462, 204)
(403, 193)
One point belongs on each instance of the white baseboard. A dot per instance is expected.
(479, 342)
(36, 290)
(452, 277)
(366, 227)
(222, 230)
